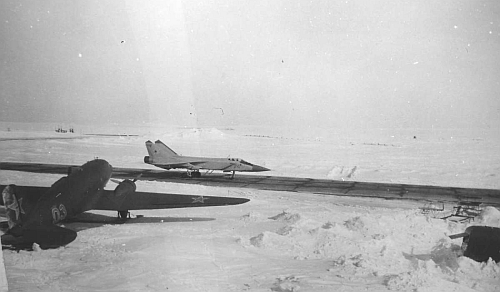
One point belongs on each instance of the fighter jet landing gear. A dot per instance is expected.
(231, 176)
(124, 215)
(193, 174)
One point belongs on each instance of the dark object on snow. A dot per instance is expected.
(480, 243)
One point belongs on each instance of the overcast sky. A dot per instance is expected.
(387, 63)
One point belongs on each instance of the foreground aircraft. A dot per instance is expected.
(162, 156)
(33, 212)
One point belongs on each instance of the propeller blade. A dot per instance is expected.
(116, 181)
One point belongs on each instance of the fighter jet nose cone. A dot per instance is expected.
(259, 168)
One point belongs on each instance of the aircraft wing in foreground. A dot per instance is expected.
(162, 156)
(33, 212)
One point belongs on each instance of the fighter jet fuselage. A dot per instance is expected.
(162, 156)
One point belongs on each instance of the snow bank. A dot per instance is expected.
(409, 251)
(489, 216)
(342, 173)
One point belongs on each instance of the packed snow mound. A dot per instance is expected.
(368, 244)
(286, 284)
(251, 217)
(305, 238)
(489, 216)
(421, 278)
(286, 217)
(355, 224)
(342, 172)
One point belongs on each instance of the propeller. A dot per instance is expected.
(125, 187)
(116, 181)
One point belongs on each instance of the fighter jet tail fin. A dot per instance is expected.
(159, 149)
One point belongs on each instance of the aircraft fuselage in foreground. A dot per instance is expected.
(32, 212)
(162, 156)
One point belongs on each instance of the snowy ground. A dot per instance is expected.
(279, 241)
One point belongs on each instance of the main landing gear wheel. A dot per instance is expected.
(123, 214)
(192, 174)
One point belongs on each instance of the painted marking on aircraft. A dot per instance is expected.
(59, 213)
(63, 211)
(199, 199)
(17, 207)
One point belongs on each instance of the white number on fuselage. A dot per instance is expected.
(59, 214)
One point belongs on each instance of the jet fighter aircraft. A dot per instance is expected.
(33, 212)
(162, 156)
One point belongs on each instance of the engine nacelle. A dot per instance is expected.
(148, 159)
(124, 188)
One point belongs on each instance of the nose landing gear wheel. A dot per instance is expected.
(123, 214)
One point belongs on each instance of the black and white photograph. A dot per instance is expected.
(260, 146)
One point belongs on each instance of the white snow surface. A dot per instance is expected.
(279, 241)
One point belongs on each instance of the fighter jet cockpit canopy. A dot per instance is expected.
(241, 161)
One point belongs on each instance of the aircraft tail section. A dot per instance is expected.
(158, 150)
(151, 148)
(13, 206)
(20, 236)
(164, 150)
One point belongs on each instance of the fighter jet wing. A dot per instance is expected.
(145, 200)
(187, 164)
